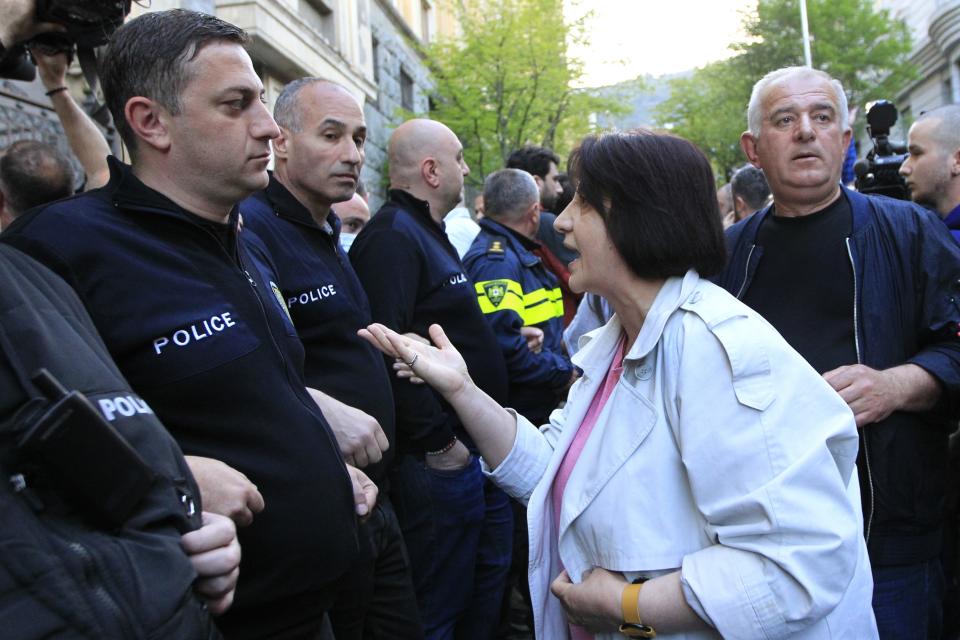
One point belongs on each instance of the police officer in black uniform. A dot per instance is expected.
(318, 158)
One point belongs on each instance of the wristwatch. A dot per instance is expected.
(633, 626)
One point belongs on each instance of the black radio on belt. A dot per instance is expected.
(82, 457)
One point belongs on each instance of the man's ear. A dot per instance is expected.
(280, 149)
(739, 207)
(430, 172)
(955, 163)
(749, 145)
(149, 122)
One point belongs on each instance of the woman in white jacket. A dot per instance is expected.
(700, 479)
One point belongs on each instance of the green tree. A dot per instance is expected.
(866, 49)
(709, 108)
(508, 80)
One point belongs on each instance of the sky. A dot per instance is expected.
(635, 37)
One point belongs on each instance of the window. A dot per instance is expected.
(319, 14)
(406, 90)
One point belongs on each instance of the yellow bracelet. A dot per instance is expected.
(630, 603)
(632, 626)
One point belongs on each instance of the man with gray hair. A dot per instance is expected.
(932, 170)
(31, 173)
(863, 288)
(515, 290)
(749, 190)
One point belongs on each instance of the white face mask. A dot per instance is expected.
(346, 239)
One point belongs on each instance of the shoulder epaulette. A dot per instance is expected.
(497, 246)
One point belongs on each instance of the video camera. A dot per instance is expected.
(88, 23)
(879, 172)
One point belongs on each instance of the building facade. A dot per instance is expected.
(935, 31)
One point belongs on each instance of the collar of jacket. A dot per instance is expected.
(675, 292)
(128, 192)
(286, 206)
(862, 213)
(416, 206)
(518, 242)
(953, 218)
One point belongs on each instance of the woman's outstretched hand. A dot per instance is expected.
(440, 366)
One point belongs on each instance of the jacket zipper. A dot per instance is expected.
(863, 432)
(100, 593)
(746, 272)
(238, 262)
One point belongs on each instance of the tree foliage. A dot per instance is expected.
(867, 50)
(507, 80)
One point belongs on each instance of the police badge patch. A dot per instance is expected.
(279, 296)
(495, 290)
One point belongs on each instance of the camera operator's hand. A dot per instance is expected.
(51, 67)
(19, 22)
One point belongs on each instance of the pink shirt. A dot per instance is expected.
(576, 447)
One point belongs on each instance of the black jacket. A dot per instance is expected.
(327, 304)
(60, 576)
(413, 279)
(905, 307)
(191, 318)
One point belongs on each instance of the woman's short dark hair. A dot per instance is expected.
(657, 198)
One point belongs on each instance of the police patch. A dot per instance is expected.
(495, 246)
(279, 296)
(495, 290)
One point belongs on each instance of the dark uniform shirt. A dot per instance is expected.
(413, 278)
(327, 304)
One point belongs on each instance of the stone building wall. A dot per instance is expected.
(396, 63)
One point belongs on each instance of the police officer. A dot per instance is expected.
(515, 290)
(318, 158)
(189, 311)
(455, 523)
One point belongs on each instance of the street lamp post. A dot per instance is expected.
(808, 59)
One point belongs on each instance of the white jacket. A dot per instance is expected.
(720, 452)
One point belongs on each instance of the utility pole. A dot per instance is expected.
(808, 59)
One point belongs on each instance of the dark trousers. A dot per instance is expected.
(376, 598)
(457, 527)
(907, 600)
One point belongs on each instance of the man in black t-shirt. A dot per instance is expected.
(864, 289)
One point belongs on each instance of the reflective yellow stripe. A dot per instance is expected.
(533, 308)
(498, 295)
(542, 305)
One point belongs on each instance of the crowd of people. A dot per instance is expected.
(236, 404)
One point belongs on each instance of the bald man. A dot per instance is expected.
(932, 170)
(457, 526)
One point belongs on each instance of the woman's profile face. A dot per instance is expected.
(584, 231)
